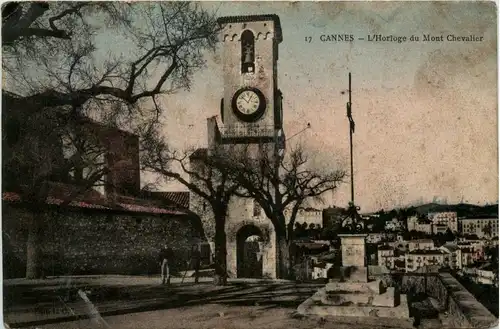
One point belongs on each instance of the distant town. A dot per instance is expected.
(462, 239)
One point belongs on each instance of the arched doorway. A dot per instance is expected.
(249, 252)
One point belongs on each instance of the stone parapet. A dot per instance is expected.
(467, 310)
(463, 309)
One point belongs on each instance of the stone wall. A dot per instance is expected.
(463, 309)
(97, 242)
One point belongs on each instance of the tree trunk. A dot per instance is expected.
(290, 237)
(34, 268)
(220, 259)
(283, 248)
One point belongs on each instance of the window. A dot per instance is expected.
(247, 52)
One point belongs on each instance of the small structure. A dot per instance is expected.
(352, 294)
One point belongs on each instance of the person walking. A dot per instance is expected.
(196, 261)
(165, 259)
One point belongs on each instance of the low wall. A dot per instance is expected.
(463, 308)
(97, 242)
(461, 303)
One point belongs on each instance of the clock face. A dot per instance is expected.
(248, 102)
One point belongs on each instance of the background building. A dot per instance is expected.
(419, 258)
(445, 218)
(420, 225)
(385, 256)
(422, 244)
(481, 227)
(307, 215)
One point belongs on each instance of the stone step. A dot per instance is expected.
(374, 287)
(311, 307)
(390, 298)
(346, 299)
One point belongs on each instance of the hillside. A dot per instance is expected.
(462, 209)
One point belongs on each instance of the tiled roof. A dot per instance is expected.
(14, 197)
(177, 198)
(152, 210)
(94, 200)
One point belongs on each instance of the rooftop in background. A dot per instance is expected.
(421, 241)
(310, 209)
(451, 247)
(426, 252)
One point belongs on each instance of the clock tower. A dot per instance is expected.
(251, 109)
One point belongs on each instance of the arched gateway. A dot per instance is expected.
(249, 252)
(250, 258)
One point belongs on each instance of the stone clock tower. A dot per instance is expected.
(251, 105)
(251, 116)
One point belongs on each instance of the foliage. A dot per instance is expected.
(164, 42)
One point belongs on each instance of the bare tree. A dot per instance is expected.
(57, 58)
(278, 186)
(206, 180)
(164, 45)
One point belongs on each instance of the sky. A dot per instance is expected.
(425, 112)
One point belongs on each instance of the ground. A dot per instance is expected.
(141, 302)
(211, 316)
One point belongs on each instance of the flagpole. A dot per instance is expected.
(352, 212)
(349, 114)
